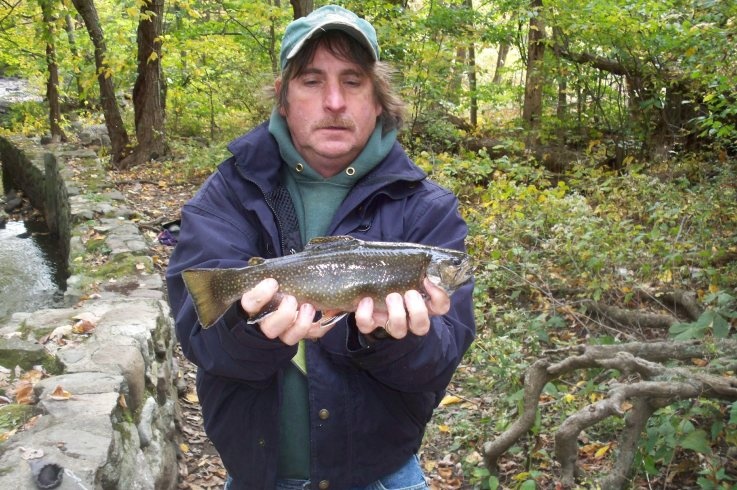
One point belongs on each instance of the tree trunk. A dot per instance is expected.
(501, 60)
(302, 8)
(474, 101)
(149, 91)
(52, 83)
(273, 53)
(119, 141)
(81, 99)
(532, 108)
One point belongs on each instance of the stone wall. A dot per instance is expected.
(105, 414)
(35, 172)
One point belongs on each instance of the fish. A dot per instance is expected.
(333, 274)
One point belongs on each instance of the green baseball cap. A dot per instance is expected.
(324, 19)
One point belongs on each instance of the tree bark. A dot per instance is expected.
(532, 108)
(119, 142)
(52, 82)
(302, 8)
(149, 91)
(71, 38)
(501, 60)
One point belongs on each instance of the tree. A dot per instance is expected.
(534, 81)
(120, 144)
(302, 7)
(52, 82)
(149, 91)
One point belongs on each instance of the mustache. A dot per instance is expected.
(335, 122)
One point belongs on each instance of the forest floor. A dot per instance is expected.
(157, 197)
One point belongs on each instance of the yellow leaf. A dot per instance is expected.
(192, 397)
(121, 401)
(450, 400)
(132, 11)
(444, 428)
(602, 451)
(568, 397)
(713, 288)
(594, 397)
(521, 476)
(184, 447)
(152, 57)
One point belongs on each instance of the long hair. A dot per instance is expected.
(346, 48)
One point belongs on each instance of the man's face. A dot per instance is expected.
(332, 112)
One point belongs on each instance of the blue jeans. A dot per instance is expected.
(408, 477)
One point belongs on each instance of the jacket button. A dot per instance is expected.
(323, 485)
(324, 415)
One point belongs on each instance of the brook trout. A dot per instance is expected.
(332, 274)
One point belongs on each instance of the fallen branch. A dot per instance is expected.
(630, 317)
(656, 385)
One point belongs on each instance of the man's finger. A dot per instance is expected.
(255, 299)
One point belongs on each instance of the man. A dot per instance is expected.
(288, 403)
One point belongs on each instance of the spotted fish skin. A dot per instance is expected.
(332, 274)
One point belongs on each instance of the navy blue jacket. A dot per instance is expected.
(369, 403)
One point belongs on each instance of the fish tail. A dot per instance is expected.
(205, 288)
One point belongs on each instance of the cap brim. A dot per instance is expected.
(346, 27)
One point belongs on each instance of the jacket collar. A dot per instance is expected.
(257, 158)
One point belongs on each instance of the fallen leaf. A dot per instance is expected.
(60, 332)
(450, 400)
(192, 397)
(87, 315)
(83, 327)
(601, 452)
(60, 393)
(121, 401)
(31, 453)
(24, 393)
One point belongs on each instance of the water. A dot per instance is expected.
(29, 278)
(32, 274)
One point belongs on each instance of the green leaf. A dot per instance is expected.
(697, 441)
(720, 326)
(493, 483)
(528, 485)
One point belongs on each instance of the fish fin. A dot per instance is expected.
(329, 321)
(202, 287)
(332, 242)
(267, 309)
(256, 260)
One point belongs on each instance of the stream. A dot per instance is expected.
(30, 275)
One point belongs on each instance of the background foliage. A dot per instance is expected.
(629, 191)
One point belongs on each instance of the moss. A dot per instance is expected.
(97, 245)
(13, 416)
(123, 265)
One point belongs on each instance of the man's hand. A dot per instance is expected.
(290, 322)
(404, 314)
